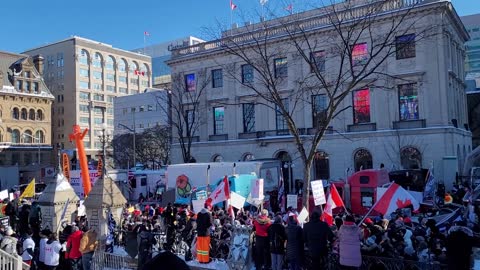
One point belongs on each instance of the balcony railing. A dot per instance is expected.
(362, 127)
(409, 124)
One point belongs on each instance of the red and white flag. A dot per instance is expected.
(232, 5)
(395, 197)
(334, 200)
(146, 33)
(289, 8)
(220, 194)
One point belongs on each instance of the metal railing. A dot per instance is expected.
(106, 261)
(11, 262)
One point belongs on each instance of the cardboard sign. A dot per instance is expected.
(201, 195)
(257, 189)
(292, 201)
(237, 200)
(4, 194)
(318, 192)
(5, 221)
(197, 205)
(303, 215)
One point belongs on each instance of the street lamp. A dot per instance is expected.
(38, 144)
(104, 139)
(134, 144)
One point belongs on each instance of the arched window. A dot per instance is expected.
(16, 113)
(15, 136)
(217, 158)
(144, 69)
(110, 63)
(28, 137)
(39, 115)
(83, 58)
(362, 160)
(248, 157)
(322, 166)
(97, 60)
(24, 114)
(132, 67)
(411, 158)
(39, 137)
(31, 114)
(122, 65)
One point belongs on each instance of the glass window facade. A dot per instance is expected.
(281, 67)
(318, 61)
(359, 54)
(361, 106)
(217, 78)
(405, 46)
(408, 102)
(248, 117)
(247, 74)
(218, 120)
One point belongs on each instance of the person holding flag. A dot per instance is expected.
(334, 200)
(317, 234)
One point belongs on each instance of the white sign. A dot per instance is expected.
(237, 200)
(303, 215)
(257, 189)
(292, 201)
(318, 192)
(76, 181)
(197, 205)
(4, 194)
(201, 195)
(11, 196)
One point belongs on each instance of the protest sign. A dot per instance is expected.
(257, 189)
(4, 194)
(292, 201)
(201, 195)
(5, 221)
(237, 200)
(197, 205)
(303, 215)
(318, 192)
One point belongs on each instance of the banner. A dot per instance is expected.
(197, 205)
(201, 195)
(77, 183)
(237, 200)
(318, 192)
(292, 201)
(257, 189)
(66, 166)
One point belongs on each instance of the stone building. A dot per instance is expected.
(85, 76)
(25, 115)
(407, 125)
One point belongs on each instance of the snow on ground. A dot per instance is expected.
(120, 251)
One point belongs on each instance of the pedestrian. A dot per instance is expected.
(28, 246)
(277, 237)
(9, 243)
(349, 237)
(317, 235)
(261, 225)
(41, 248)
(88, 244)
(145, 241)
(459, 246)
(73, 254)
(294, 244)
(52, 252)
(204, 222)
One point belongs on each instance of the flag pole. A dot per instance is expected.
(144, 42)
(373, 207)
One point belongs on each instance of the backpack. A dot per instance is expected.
(144, 244)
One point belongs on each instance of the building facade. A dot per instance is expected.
(421, 124)
(25, 115)
(85, 77)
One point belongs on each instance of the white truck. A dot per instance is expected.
(146, 182)
(189, 176)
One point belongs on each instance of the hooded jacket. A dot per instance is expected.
(262, 223)
(349, 237)
(204, 221)
(73, 245)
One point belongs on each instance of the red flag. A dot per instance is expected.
(146, 33)
(289, 8)
(334, 201)
(232, 5)
(220, 194)
(395, 197)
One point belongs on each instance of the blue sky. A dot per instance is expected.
(31, 23)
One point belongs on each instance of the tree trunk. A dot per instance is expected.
(306, 184)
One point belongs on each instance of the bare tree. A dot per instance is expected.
(350, 52)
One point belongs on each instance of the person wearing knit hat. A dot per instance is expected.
(261, 225)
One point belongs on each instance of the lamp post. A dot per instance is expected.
(134, 144)
(38, 144)
(104, 138)
(289, 165)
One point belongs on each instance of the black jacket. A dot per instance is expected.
(204, 222)
(317, 234)
(294, 242)
(277, 237)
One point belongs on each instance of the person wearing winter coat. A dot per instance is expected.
(317, 235)
(294, 244)
(277, 237)
(262, 245)
(52, 252)
(349, 238)
(41, 248)
(88, 244)
(73, 254)
(145, 241)
(204, 222)
(9, 242)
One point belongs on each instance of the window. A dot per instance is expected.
(217, 78)
(83, 58)
(39, 115)
(319, 110)
(84, 96)
(362, 159)
(122, 65)
(281, 68)
(133, 92)
(84, 120)
(408, 102)
(248, 117)
(280, 122)
(317, 60)
(98, 145)
(15, 136)
(217, 158)
(359, 54)
(110, 110)
(83, 85)
(110, 77)
(110, 122)
(98, 121)
(98, 86)
(134, 81)
(83, 73)
(97, 110)
(35, 87)
(27, 86)
(405, 46)
(86, 144)
(367, 196)
(97, 75)
(59, 59)
(110, 99)
(361, 106)
(31, 114)
(122, 79)
(60, 74)
(124, 111)
(133, 66)
(39, 137)
(24, 114)
(98, 97)
(150, 108)
(97, 60)
(411, 158)
(218, 120)
(110, 63)
(190, 84)
(122, 90)
(248, 157)
(83, 108)
(111, 88)
(321, 165)
(26, 74)
(142, 108)
(19, 85)
(247, 73)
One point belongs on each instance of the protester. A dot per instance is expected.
(349, 237)
(294, 244)
(459, 244)
(52, 252)
(204, 222)
(73, 254)
(88, 244)
(28, 246)
(43, 241)
(261, 225)
(277, 237)
(317, 236)
(9, 242)
(145, 241)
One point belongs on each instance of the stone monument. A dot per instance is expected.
(58, 201)
(105, 197)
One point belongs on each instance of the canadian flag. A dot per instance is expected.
(220, 194)
(334, 200)
(232, 5)
(395, 197)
